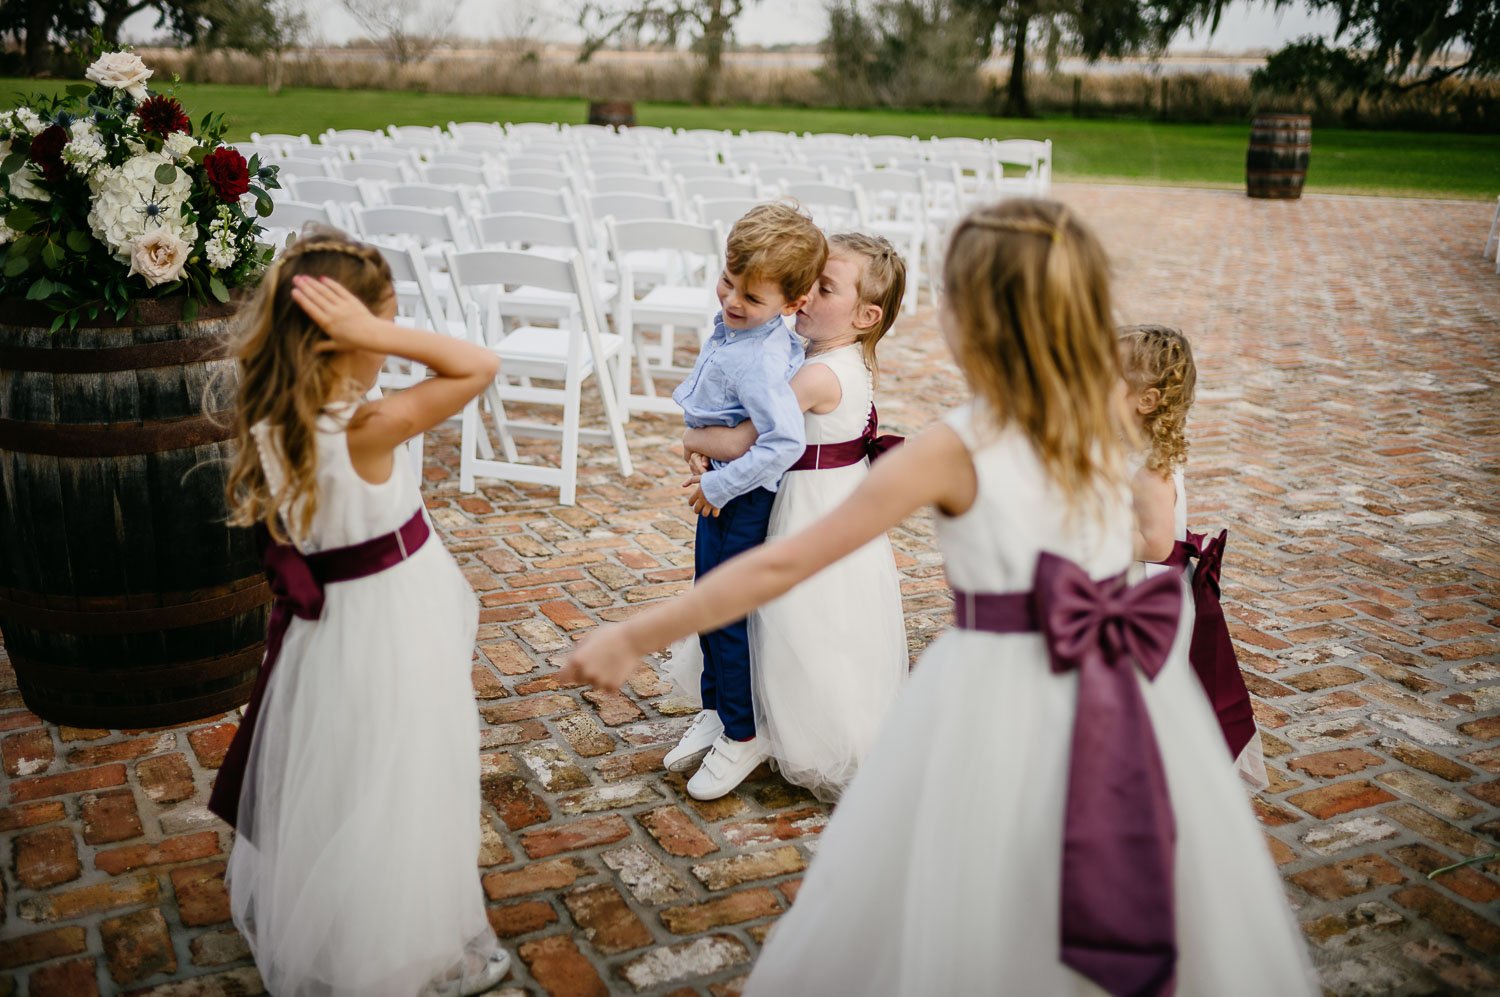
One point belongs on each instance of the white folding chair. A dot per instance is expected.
(712, 188)
(532, 129)
(979, 171)
(571, 353)
(556, 203)
(1033, 160)
(773, 179)
(353, 137)
(295, 166)
(834, 207)
(702, 171)
(417, 136)
(897, 206)
(405, 158)
(373, 171)
(688, 303)
(618, 183)
(335, 193)
(723, 211)
(483, 132)
(288, 216)
(429, 195)
(556, 180)
(633, 208)
(554, 237)
(457, 156)
(430, 231)
(529, 162)
(280, 138)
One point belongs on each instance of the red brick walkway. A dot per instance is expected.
(1346, 434)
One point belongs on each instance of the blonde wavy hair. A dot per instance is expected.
(882, 282)
(1026, 289)
(285, 381)
(1160, 357)
(777, 242)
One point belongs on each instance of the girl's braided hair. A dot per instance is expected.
(1160, 357)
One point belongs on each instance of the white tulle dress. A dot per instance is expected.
(361, 796)
(939, 873)
(828, 658)
(1251, 763)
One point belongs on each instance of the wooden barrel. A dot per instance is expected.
(1280, 146)
(616, 113)
(125, 600)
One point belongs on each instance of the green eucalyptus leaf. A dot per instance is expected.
(12, 163)
(16, 265)
(40, 290)
(263, 204)
(57, 323)
(52, 255)
(166, 173)
(21, 217)
(218, 290)
(80, 90)
(190, 309)
(79, 241)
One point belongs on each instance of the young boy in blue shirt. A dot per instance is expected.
(773, 256)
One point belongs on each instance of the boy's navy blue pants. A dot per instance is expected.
(740, 525)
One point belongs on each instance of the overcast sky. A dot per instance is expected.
(1244, 27)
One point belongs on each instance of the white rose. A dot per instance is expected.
(159, 256)
(129, 203)
(180, 145)
(120, 71)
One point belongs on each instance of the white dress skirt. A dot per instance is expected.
(940, 870)
(828, 658)
(355, 869)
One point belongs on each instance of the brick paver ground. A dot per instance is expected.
(1346, 434)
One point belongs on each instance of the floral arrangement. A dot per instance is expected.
(108, 195)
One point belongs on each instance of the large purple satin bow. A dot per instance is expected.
(1212, 650)
(875, 445)
(1118, 925)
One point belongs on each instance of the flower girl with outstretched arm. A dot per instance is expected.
(1046, 810)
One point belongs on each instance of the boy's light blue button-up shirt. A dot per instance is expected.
(744, 374)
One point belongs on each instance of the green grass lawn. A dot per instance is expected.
(1343, 161)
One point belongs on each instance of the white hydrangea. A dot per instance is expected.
(220, 248)
(85, 149)
(23, 182)
(180, 145)
(27, 120)
(7, 234)
(128, 203)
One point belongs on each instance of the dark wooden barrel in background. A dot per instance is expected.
(1280, 146)
(618, 113)
(125, 600)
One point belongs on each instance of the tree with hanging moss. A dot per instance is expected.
(1094, 29)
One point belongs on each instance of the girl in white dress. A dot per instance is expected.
(353, 781)
(952, 864)
(1160, 382)
(827, 658)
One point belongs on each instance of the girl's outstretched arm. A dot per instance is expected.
(932, 469)
(462, 368)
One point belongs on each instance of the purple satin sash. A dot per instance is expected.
(1117, 921)
(297, 582)
(1212, 651)
(820, 456)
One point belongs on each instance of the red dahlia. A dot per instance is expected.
(228, 172)
(162, 116)
(46, 151)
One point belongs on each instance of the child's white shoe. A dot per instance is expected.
(492, 972)
(476, 974)
(725, 766)
(696, 740)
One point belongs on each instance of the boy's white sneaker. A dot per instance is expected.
(725, 766)
(696, 740)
